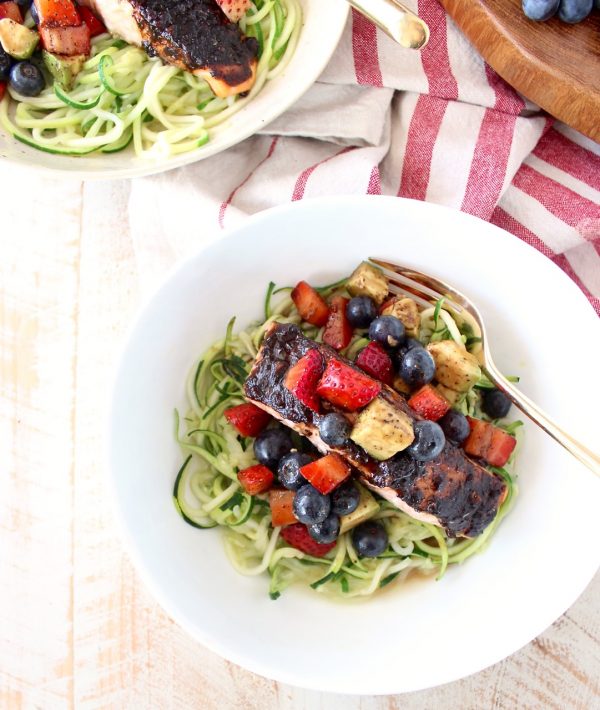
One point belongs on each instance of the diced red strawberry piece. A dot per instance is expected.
(298, 536)
(478, 441)
(2, 89)
(94, 24)
(326, 473)
(61, 28)
(234, 9)
(281, 502)
(429, 403)
(66, 41)
(302, 379)
(256, 479)
(11, 11)
(501, 447)
(346, 387)
(247, 418)
(338, 331)
(60, 13)
(310, 304)
(375, 361)
(489, 442)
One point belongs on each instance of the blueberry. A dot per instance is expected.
(573, 11)
(5, 64)
(34, 14)
(271, 445)
(387, 330)
(288, 470)
(327, 530)
(27, 79)
(429, 441)
(345, 499)
(334, 429)
(540, 10)
(310, 506)
(495, 404)
(455, 426)
(369, 539)
(360, 311)
(23, 4)
(417, 367)
(408, 344)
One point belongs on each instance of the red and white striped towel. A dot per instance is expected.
(436, 125)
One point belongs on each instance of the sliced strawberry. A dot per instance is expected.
(429, 403)
(2, 89)
(346, 387)
(302, 379)
(478, 441)
(375, 361)
(310, 304)
(338, 331)
(11, 11)
(247, 418)
(501, 447)
(298, 536)
(58, 13)
(61, 29)
(235, 9)
(256, 479)
(281, 502)
(94, 25)
(326, 473)
(489, 442)
(66, 41)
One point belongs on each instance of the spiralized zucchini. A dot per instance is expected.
(207, 493)
(123, 96)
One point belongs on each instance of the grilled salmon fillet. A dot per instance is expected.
(194, 35)
(452, 491)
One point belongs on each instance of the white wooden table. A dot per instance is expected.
(77, 628)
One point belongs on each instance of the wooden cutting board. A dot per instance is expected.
(555, 65)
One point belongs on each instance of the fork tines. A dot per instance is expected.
(407, 282)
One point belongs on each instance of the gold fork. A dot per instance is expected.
(427, 290)
(396, 20)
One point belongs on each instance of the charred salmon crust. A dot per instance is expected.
(196, 34)
(452, 491)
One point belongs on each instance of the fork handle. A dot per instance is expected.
(572, 445)
(396, 20)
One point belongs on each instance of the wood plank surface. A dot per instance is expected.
(554, 64)
(77, 627)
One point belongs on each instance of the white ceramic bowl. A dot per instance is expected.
(323, 23)
(426, 632)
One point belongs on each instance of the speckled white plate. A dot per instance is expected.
(323, 23)
(426, 632)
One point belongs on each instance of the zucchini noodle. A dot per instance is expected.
(122, 96)
(207, 492)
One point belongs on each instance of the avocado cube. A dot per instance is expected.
(451, 395)
(366, 280)
(382, 430)
(17, 40)
(455, 367)
(366, 508)
(63, 69)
